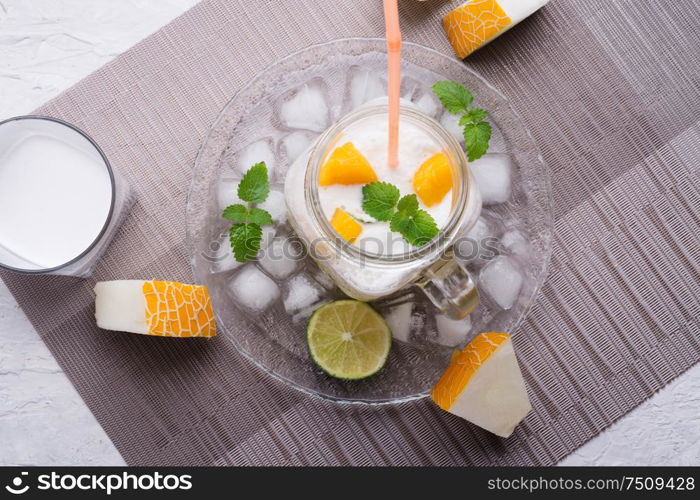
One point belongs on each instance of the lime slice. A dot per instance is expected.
(348, 339)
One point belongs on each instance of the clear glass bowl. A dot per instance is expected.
(333, 78)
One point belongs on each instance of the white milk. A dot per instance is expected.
(55, 197)
(371, 139)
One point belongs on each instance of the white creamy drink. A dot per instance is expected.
(54, 201)
(324, 196)
(57, 197)
(370, 138)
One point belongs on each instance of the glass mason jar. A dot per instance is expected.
(366, 275)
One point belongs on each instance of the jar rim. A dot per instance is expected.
(447, 233)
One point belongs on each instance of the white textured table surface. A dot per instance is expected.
(46, 46)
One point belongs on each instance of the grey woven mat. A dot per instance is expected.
(611, 91)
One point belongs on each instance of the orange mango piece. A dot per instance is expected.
(347, 227)
(433, 179)
(346, 166)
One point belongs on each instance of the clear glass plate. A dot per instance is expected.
(343, 74)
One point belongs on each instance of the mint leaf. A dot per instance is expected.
(418, 228)
(379, 200)
(408, 204)
(453, 96)
(245, 241)
(236, 213)
(240, 214)
(476, 139)
(260, 217)
(477, 131)
(255, 185)
(474, 115)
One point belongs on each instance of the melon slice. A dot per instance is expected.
(484, 385)
(159, 308)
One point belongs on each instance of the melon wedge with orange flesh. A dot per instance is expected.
(347, 166)
(484, 385)
(159, 308)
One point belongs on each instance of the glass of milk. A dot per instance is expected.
(383, 263)
(60, 200)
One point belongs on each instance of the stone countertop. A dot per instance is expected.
(46, 46)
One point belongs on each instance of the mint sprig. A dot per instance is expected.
(379, 200)
(382, 201)
(246, 232)
(477, 130)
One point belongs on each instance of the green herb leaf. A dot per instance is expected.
(453, 96)
(474, 115)
(245, 241)
(255, 185)
(260, 217)
(236, 213)
(417, 228)
(476, 139)
(240, 214)
(408, 204)
(477, 131)
(379, 200)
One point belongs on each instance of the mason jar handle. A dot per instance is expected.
(450, 287)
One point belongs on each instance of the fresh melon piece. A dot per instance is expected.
(347, 227)
(484, 385)
(346, 166)
(160, 308)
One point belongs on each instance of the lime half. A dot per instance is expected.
(348, 339)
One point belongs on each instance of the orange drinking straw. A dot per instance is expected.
(393, 45)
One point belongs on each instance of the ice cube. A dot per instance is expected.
(399, 320)
(268, 236)
(275, 206)
(478, 243)
(429, 105)
(410, 88)
(252, 289)
(451, 332)
(501, 279)
(326, 281)
(305, 313)
(293, 145)
(451, 124)
(262, 150)
(307, 108)
(221, 256)
(227, 193)
(497, 143)
(492, 173)
(301, 292)
(365, 85)
(514, 241)
(281, 258)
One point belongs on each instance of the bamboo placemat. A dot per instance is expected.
(611, 92)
